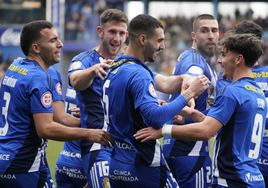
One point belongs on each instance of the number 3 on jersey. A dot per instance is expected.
(3, 130)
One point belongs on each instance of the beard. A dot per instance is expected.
(203, 51)
(148, 53)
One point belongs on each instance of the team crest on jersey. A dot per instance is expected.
(211, 98)
(46, 99)
(58, 89)
(75, 65)
(195, 70)
(105, 183)
(152, 90)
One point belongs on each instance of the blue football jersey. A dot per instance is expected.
(70, 154)
(57, 84)
(221, 82)
(91, 110)
(127, 89)
(193, 63)
(241, 107)
(260, 75)
(26, 89)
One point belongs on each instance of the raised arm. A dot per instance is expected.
(173, 84)
(82, 79)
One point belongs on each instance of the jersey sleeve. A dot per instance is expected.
(76, 65)
(40, 94)
(192, 64)
(144, 96)
(223, 108)
(57, 85)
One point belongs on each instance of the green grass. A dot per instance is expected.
(53, 151)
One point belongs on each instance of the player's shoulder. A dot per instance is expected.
(191, 57)
(89, 54)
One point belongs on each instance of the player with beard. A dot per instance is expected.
(130, 104)
(85, 75)
(189, 161)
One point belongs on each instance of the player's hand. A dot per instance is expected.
(161, 102)
(100, 136)
(187, 80)
(148, 133)
(178, 119)
(191, 103)
(100, 68)
(75, 111)
(199, 85)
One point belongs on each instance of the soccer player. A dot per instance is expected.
(189, 161)
(130, 104)
(85, 75)
(237, 117)
(259, 74)
(26, 108)
(69, 170)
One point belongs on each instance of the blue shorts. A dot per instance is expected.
(26, 180)
(263, 166)
(67, 177)
(96, 167)
(191, 171)
(127, 175)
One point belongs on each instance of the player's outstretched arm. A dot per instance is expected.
(192, 132)
(82, 79)
(47, 128)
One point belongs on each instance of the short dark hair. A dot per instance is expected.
(248, 27)
(250, 46)
(202, 17)
(143, 24)
(115, 15)
(31, 32)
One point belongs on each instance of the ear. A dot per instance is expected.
(193, 35)
(99, 31)
(239, 59)
(142, 39)
(35, 48)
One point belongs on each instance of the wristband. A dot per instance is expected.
(166, 130)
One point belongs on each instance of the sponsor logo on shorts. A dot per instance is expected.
(8, 176)
(250, 177)
(123, 176)
(106, 183)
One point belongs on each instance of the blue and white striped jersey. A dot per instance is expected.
(193, 63)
